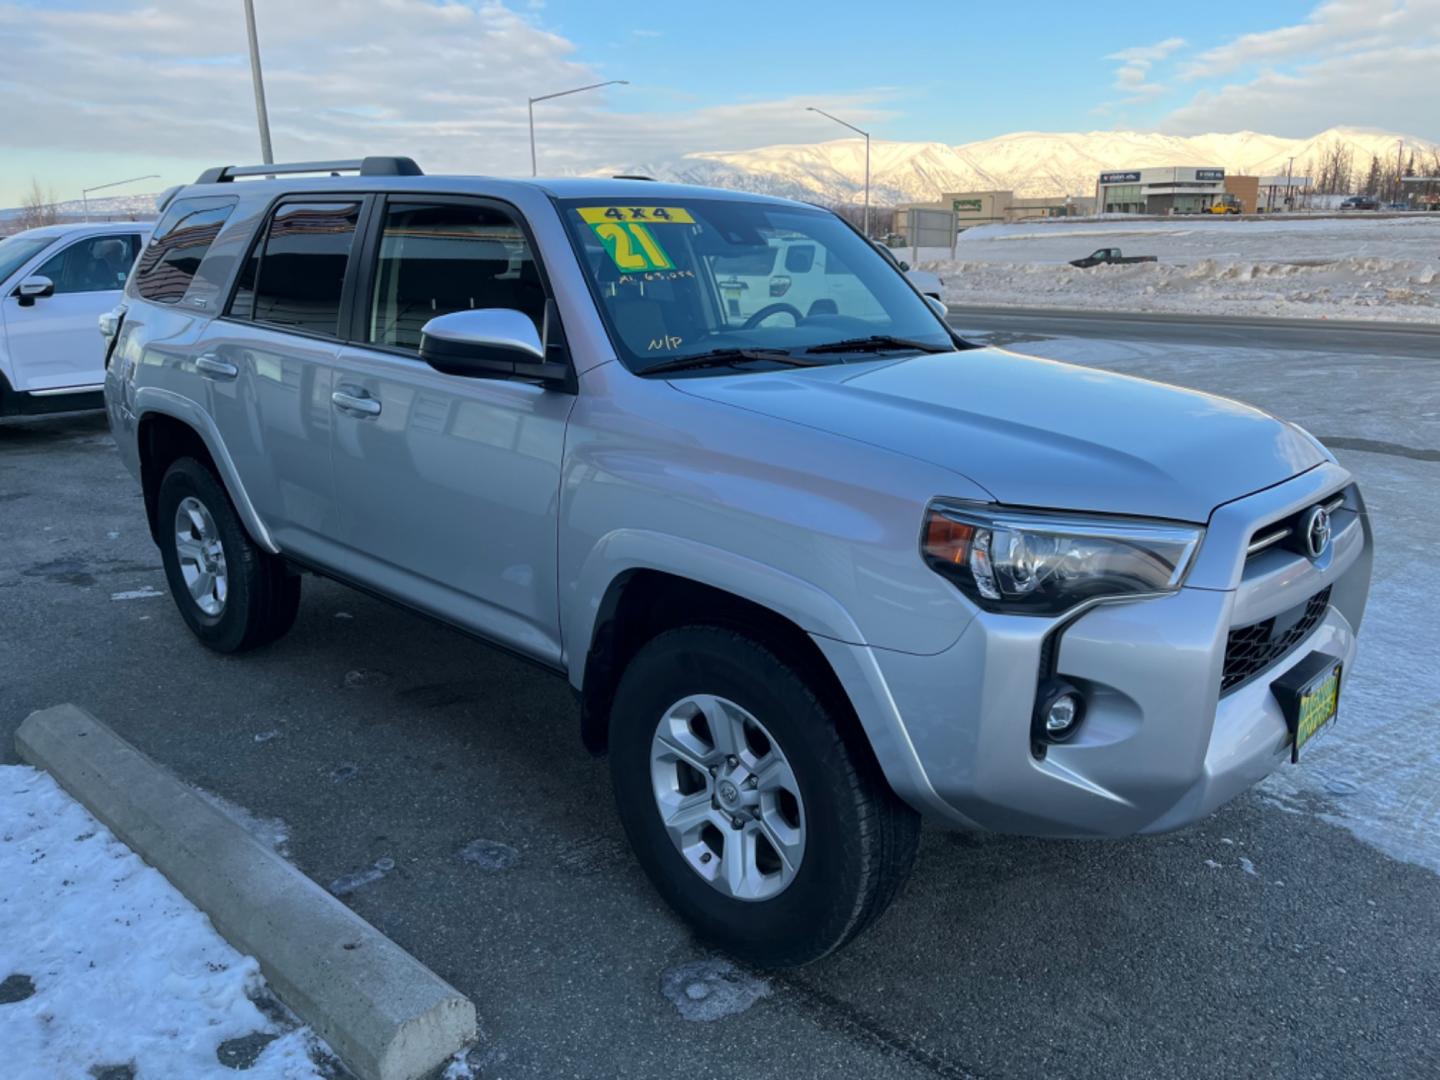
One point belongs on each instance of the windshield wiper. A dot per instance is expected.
(879, 343)
(726, 357)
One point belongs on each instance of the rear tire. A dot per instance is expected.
(232, 595)
(852, 842)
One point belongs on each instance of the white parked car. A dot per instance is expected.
(55, 283)
(794, 278)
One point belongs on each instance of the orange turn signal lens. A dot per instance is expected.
(947, 540)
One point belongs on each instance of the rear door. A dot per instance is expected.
(448, 486)
(270, 365)
(55, 342)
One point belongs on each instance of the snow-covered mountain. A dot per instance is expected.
(1030, 163)
(111, 207)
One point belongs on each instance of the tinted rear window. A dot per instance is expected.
(180, 241)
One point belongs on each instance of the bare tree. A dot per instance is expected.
(1335, 170)
(38, 207)
(1374, 178)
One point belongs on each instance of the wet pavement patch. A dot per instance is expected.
(63, 572)
(113, 1072)
(16, 988)
(243, 1052)
(709, 990)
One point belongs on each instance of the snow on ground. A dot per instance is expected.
(1354, 268)
(1374, 770)
(124, 970)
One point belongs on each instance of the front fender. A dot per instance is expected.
(623, 550)
(150, 400)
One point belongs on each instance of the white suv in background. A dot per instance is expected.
(55, 283)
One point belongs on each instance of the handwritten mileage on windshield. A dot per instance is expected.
(624, 231)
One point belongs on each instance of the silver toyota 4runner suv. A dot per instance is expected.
(813, 572)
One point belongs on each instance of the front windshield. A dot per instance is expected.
(699, 276)
(16, 250)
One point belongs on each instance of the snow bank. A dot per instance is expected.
(1375, 268)
(125, 970)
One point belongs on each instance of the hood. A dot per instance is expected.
(1039, 433)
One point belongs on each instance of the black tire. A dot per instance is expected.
(263, 597)
(860, 839)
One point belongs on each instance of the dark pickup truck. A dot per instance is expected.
(1112, 256)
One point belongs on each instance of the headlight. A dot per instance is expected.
(1044, 564)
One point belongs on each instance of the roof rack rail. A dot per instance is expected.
(370, 166)
(633, 176)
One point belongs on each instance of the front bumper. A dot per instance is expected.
(1160, 745)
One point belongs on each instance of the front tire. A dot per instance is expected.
(232, 595)
(747, 805)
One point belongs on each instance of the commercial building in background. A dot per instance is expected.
(1421, 192)
(1280, 193)
(1173, 189)
(993, 207)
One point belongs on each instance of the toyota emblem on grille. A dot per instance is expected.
(1317, 531)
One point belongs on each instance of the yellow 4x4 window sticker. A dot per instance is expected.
(669, 215)
(625, 233)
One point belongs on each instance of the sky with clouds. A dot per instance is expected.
(97, 90)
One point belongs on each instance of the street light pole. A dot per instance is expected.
(85, 192)
(852, 127)
(562, 93)
(258, 79)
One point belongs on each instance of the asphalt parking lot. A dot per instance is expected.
(447, 782)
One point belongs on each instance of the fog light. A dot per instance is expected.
(1061, 715)
(1059, 709)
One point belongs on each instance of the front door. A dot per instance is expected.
(55, 342)
(448, 487)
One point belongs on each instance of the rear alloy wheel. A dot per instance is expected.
(232, 595)
(757, 812)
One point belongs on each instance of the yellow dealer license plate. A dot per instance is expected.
(1319, 701)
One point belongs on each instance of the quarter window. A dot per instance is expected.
(435, 258)
(294, 277)
(95, 264)
(179, 242)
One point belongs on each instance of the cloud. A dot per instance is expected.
(1133, 74)
(1340, 24)
(443, 81)
(1349, 63)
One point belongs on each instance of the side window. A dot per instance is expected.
(294, 276)
(95, 264)
(435, 258)
(179, 242)
(800, 258)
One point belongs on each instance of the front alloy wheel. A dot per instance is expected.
(728, 797)
(750, 796)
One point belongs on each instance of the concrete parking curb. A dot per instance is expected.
(386, 1015)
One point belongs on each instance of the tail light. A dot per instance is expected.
(779, 286)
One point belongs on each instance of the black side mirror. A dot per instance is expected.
(35, 287)
(490, 343)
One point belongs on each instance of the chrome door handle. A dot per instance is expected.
(358, 404)
(212, 365)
